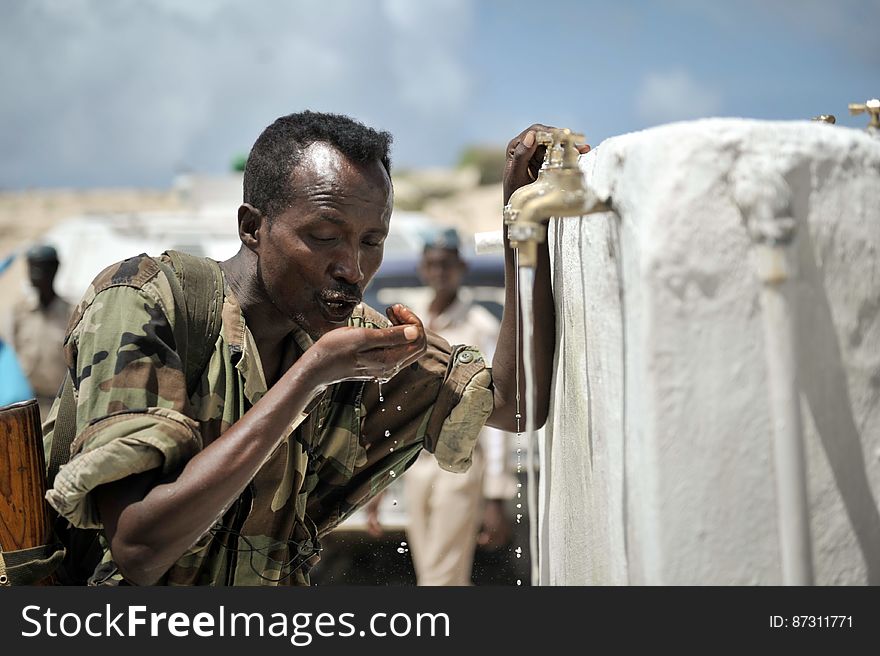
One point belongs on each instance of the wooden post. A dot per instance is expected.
(24, 519)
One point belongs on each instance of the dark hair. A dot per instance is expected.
(267, 174)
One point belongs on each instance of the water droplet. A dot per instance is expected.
(391, 449)
(387, 433)
(394, 503)
(519, 495)
(401, 550)
(518, 415)
(518, 518)
(398, 408)
(519, 484)
(519, 581)
(518, 506)
(403, 544)
(383, 409)
(393, 474)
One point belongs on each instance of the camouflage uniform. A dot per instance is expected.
(134, 415)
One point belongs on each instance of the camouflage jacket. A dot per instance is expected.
(134, 415)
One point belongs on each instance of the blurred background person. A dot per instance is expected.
(449, 514)
(35, 329)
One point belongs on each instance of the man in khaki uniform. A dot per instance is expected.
(450, 513)
(37, 326)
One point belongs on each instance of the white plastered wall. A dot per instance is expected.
(657, 461)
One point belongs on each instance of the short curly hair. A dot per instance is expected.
(267, 174)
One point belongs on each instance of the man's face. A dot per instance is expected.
(442, 270)
(316, 258)
(42, 273)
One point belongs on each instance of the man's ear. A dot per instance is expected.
(251, 224)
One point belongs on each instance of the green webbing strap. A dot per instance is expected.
(29, 566)
(64, 432)
(200, 293)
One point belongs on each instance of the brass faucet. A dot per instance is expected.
(872, 107)
(559, 190)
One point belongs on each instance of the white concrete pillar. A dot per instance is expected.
(657, 461)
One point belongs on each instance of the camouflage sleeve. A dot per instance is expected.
(462, 408)
(130, 392)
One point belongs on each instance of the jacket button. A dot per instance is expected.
(305, 548)
(465, 357)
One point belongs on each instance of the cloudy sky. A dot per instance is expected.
(131, 92)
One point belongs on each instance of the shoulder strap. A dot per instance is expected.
(201, 295)
(63, 432)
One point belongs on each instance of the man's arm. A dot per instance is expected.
(524, 159)
(150, 522)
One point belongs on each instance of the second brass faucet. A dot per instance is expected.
(559, 190)
(872, 108)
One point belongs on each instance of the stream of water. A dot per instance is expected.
(526, 287)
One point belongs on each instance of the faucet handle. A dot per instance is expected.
(544, 137)
(558, 136)
(871, 106)
(572, 138)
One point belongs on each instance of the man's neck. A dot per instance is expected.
(268, 326)
(441, 303)
(46, 297)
